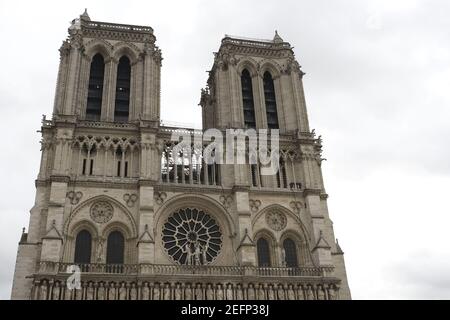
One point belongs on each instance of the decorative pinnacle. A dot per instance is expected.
(85, 15)
(277, 38)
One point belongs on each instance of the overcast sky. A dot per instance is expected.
(377, 89)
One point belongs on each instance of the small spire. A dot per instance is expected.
(85, 15)
(338, 248)
(277, 38)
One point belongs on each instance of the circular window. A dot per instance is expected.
(192, 237)
(101, 212)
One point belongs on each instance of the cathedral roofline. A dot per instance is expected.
(276, 43)
(108, 30)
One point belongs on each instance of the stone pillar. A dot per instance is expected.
(72, 77)
(61, 78)
(259, 101)
(321, 250)
(147, 92)
(109, 90)
(146, 244)
(245, 247)
(52, 241)
(299, 100)
(36, 217)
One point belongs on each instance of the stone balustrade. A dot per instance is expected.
(47, 267)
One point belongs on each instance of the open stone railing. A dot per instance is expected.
(254, 42)
(117, 26)
(184, 270)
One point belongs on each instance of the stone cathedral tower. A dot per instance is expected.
(113, 200)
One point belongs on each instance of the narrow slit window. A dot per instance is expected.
(91, 169)
(83, 171)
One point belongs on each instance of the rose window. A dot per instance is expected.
(192, 237)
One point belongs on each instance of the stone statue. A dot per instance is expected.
(89, 292)
(320, 293)
(309, 293)
(187, 250)
(43, 295)
(229, 292)
(219, 292)
(112, 292)
(239, 293)
(67, 294)
(188, 293)
(251, 292)
(100, 250)
(145, 292)
(133, 293)
(331, 293)
(156, 294)
(167, 290)
(291, 293)
(100, 291)
(56, 291)
(283, 257)
(209, 292)
(281, 295)
(178, 292)
(261, 295)
(204, 252)
(271, 293)
(79, 292)
(198, 292)
(122, 292)
(197, 254)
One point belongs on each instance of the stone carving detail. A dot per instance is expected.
(74, 197)
(160, 197)
(129, 290)
(192, 237)
(226, 201)
(254, 205)
(102, 212)
(276, 220)
(130, 199)
(296, 206)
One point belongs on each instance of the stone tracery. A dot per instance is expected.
(192, 237)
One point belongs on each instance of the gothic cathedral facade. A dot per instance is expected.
(116, 207)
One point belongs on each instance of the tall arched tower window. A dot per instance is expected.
(247, 100)
(115, 248)
(122, 106)
(95, 89)
(262, 247)
(290, 250)
(83, 245)
(271, 104)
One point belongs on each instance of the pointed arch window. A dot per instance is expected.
(122, 105)
(247, 100)
(271, 104)
(115, 248)
(290, 250)
(262, 247)
(95, 88)
(83, 246)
